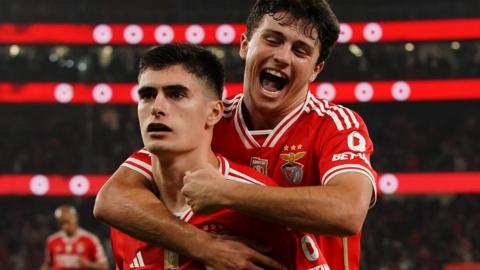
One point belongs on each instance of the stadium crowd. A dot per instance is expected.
(118, 64)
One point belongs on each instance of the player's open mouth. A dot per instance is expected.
(158, 127)
(273, 80)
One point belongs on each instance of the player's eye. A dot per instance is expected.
(176, 94)
(272, 40)
(301, 51)
(147, 94)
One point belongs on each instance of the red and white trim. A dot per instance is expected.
(230, 105)
(242, 129)
(185, 215)
(246, 136)
(331, 173)
(231, 174)
(352, 116)
(139, 166)
(341, 116)
(286, 123)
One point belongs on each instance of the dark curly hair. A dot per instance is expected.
(314, 16)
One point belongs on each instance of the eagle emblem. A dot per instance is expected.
(292, 170)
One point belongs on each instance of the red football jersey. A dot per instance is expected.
(64, 252)
(295, 250)
(315, 142)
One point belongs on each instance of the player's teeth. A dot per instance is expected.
(275, 73)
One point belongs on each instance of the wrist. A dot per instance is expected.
(203, 249)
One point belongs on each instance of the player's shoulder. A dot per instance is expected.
(241, 173)
(333, 115)
(230, 104)
(82, 233)
(55, 236)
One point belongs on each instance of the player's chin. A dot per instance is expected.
(155, 147)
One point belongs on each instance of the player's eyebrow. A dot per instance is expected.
(175, 87)
(283, 37)
(144, 89)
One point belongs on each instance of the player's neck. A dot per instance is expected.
(257, 116)
(169, 173)
(73, 234)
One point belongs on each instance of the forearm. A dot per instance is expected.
(133, 208)
(330, 210)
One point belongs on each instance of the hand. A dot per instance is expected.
(83, 262)
(238, 253)
(204, 190)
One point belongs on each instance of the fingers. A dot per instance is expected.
(267, 262)
(250, 243)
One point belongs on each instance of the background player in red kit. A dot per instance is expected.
(279, 128)
(72, 247)
(180, 102)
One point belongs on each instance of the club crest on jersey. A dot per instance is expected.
(80, 248)
(260, 165)
(291, 169)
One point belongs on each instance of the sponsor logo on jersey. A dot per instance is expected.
(138, 261)
(67, 260)
(350, 156)
(292, 170)
(259, 164)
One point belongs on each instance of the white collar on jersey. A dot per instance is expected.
(276, 133)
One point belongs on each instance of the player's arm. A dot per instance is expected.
(128, 203)
(336, 209)
(337, 206)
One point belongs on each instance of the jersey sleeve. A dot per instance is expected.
(346, 147)
(140, 162)
(117, 255)
(98, 251)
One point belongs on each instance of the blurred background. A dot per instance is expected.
(410, 68)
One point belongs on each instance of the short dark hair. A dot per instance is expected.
(313, 14)
(197, 60)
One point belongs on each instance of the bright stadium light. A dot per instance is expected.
(409, 47)
(355, 50)
(455, 45)
(14, 50)
(82, 66)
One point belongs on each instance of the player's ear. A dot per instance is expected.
(243, 46)
(215, 112)
(316, 70)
